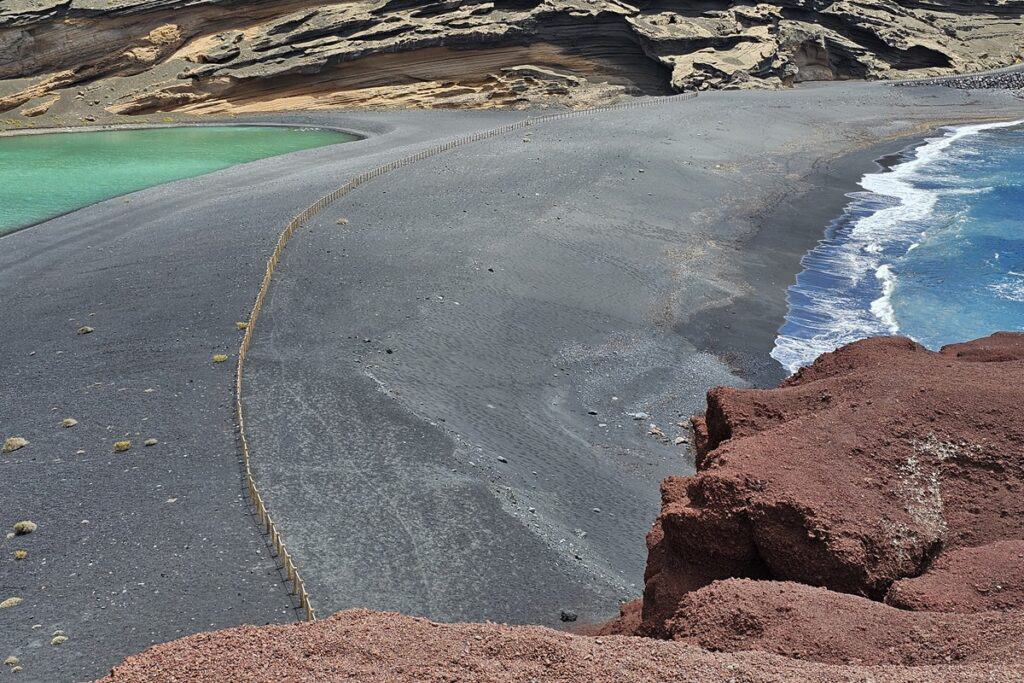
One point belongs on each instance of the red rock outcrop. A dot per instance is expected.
(990, 577)
(819, 625)
(855, 473)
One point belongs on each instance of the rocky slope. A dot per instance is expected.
(863, 521)
(360, 645)
(78, 57)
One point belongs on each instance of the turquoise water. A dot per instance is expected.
(933, 249)
(42, 176)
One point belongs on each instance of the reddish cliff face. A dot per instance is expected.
(884, 470)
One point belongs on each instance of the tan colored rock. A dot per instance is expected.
(14, 443)
(25, 527)
(244, 56)
(122, 446)
(40, 108)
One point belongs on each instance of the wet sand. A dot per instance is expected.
(404, 480)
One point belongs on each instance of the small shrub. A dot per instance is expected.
(25, 527)
(14, 443)
(20, 554)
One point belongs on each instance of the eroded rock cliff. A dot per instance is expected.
(868, 510)
(142, 56)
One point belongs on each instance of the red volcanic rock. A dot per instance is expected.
(856, 472)
(819, 625)
(990, 577)
(361, 645)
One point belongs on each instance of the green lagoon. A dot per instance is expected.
(42, 176)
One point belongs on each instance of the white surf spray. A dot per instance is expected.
(846, 289)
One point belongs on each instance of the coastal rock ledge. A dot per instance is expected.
(69, 57)
(863, 521)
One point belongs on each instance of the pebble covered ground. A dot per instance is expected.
(361, 645)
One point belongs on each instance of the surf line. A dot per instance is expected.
(827, 304)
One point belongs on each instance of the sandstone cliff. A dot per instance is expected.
(142, 56)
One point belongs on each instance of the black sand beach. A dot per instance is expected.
(519, 283)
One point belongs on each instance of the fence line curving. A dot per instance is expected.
(291, 571)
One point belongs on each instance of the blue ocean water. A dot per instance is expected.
(932, 249)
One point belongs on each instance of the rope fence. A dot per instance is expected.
(298, 586)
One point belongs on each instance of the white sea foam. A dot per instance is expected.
(897, 213)
(882, 306)
(1011, 288)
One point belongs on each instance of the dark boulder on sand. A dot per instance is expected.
(857, 472)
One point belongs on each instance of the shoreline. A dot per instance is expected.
(357, 137)
(787, 231)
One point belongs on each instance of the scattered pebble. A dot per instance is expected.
(591, 412)
(12, 661)
(85, 329)
(502, 458)
(14, 443)
(59, 640)
(25, 527)
(680, 440)
(638, 416)
(150, 442)
(10, 602)
(566, 615)
(122, 446)
(219, 358)
(68, 422)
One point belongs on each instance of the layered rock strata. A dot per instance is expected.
(144, 56)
